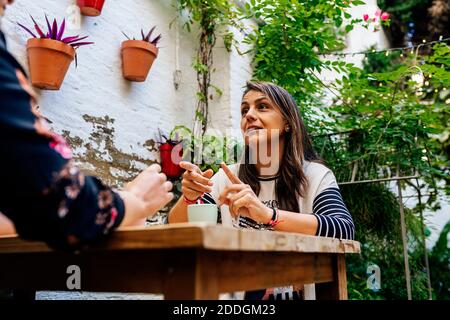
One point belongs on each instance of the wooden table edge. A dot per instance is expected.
(200, 235)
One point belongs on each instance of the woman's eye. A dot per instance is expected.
(244, 111)
(263, 106)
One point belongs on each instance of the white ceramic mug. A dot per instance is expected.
(202, 213)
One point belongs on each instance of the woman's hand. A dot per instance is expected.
(145, 195)
(241, 199)
(193, 185)
(195, 182)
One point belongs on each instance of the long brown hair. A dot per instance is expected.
(291, 182)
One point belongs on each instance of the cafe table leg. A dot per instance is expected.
(337, 289)
(197, 280)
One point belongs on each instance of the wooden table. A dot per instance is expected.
(183, 261)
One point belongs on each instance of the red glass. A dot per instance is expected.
(169, 163)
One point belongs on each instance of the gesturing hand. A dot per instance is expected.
(195, 182)
(242, 200)
(152, 188)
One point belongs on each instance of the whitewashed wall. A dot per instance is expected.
(112, 124)
(240, 67)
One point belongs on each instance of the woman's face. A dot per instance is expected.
(261, 119)
(3, 4)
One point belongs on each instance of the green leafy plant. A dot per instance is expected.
(391, 115)
(375, 211)
(395, 113)
(214, 17)
(401, 114)
(440, 265)
(291, 38)
(209, 150)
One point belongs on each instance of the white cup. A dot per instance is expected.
(227, 219)
(202, 213)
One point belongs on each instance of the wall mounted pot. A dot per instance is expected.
(48, 61)
(168, 165)
(137, 59)
(91, 8)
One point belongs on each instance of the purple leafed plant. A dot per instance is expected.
(146, 37)
(163, 139)
(55, 32)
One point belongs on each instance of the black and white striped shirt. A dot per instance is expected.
(323, 199)
(334, 219)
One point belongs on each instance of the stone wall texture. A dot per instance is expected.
(112, 124)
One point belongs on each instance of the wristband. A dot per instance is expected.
(187, 201)
(275, 218)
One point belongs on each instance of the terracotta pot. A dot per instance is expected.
(170, 159)
(49, 61)
(137, 59)
(91, 8)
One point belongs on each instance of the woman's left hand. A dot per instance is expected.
(242, 200)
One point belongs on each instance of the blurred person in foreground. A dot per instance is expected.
(43, 195)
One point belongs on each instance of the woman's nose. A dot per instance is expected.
(251, 114)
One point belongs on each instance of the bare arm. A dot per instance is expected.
(297, 222)
(178, 212)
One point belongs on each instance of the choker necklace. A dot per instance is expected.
(268, 178)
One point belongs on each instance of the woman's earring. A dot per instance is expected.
(288, 128)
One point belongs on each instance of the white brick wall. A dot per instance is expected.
(112, 124)
(240, 71)
(122, 144)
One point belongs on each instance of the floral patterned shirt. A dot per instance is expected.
(41, 190)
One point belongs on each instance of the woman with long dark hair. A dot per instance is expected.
(293, 186)
(281, 184)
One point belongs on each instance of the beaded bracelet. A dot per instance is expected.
(275, 218)
(187, 201)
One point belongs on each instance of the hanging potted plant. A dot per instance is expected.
(138, 56)
(50, 54)
(91, 8)
(171, 151)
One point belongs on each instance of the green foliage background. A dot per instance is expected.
(385, 119)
